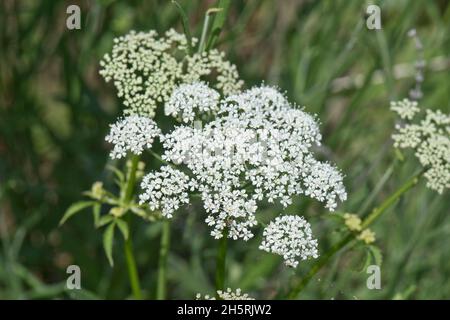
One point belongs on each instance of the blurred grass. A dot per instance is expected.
(55, 110)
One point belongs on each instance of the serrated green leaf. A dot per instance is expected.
(373, 256)
(123, 227)
(367, 261)
(108, 240)
(96, 213)
(104, 220)
(376, 254)
(75, 208)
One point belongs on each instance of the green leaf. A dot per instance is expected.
(123, 227)
(75, 208)
(376, 254)
(206, 26)
(218, 22)
(108, 239)
(96, 213)
(104, 220)
(373, 256)
(367, 261)
(145, 214)
(185, 24)
(119, 175)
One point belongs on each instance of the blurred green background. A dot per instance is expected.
(55, 110)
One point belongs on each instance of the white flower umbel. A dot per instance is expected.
(324, 183)
(187, 100)
(132, 133)
(290, 237)
(229, 294)
(166, 189)
(430, 140)
(258, 147)
(145, 68)
(201, 65)
(285, 134)
(231, 209)
(406, 109)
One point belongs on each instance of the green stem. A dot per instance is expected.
(376, 213)
(162, 267)
(372, 217)
(318, 265)
(221, 262)
(131, 181)
(128, 248)
(132, 269)
(377, 189)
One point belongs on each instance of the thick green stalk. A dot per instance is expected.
(221, 262)
(372, 217)
(162, 267)
(131, 180)
(132, 269)
(128, 248)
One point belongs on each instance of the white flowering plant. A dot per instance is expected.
(229, 151)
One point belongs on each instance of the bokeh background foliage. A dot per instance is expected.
(55, 110)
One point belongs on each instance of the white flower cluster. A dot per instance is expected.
(188, 100)
(282, 163)
(255, 146)
(406, 109)
(258, 147)
(290, 237)
(166, 189)
(145, 68)
(430, 139)
(214, 156)
(132, 133)
(229, 294)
